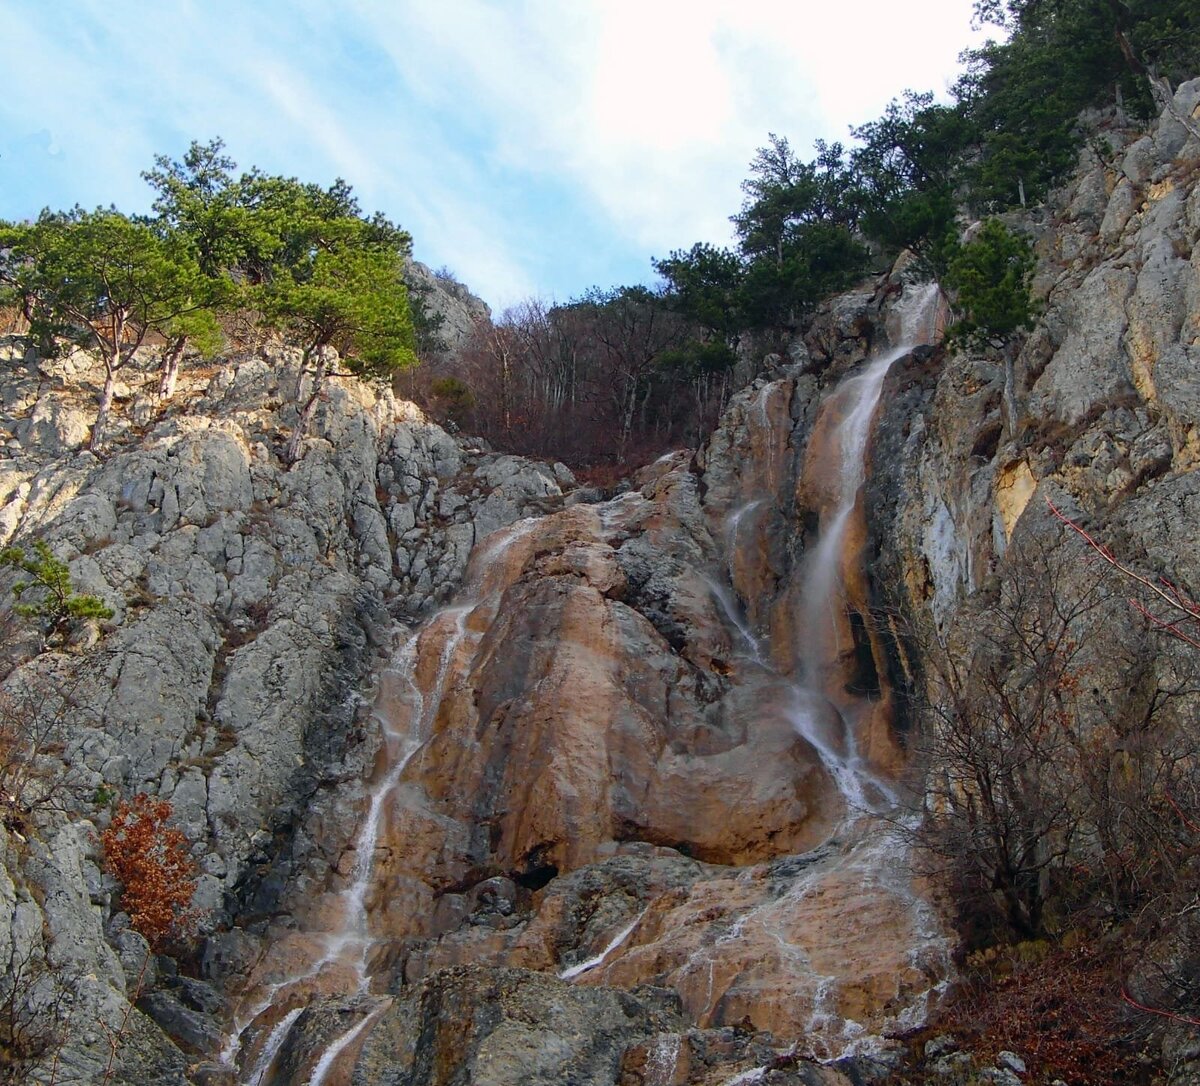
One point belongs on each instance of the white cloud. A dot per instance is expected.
(477, 123)
(653, 108)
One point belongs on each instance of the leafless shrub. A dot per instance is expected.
(1006, 732)
(35, 1006)
(37, 778)
(1061, 728)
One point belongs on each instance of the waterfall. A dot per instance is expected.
(837, 457)
(865, 859)
(405, 713)
(823, 595)
(343, 941)
(857, 397)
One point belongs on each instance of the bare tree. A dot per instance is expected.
(1004, 732)
(35, 1008)
(38, 715)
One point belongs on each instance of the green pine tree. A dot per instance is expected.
(48, 595)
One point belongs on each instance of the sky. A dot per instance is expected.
(535, 148)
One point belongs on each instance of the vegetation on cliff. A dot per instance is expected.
(541, 381)
(286, 255)
(48, 595)
(618, 373)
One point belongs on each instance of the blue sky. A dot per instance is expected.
(535, 147)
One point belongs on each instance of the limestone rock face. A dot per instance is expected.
(250, 600)
(613, 670)
(510, 1027)
(1104, 390)
(513, 1027)
(492, 783)
(1102, 421)
(456, 309)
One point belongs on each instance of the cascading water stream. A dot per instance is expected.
(406, 715)
(823, 584)
(823, 602)
(823, 597)
(329, 1057)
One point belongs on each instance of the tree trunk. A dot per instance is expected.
(106, 400)
(627, 414)
(172, 357)
(1160, 89)
(505, 392)
(296, 442)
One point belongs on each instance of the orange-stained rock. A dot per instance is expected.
(596, 763)
(836, 945)
(568, 719)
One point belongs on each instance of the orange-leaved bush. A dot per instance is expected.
(151, 861)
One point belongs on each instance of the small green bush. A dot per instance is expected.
(49, 594)
(454, 398)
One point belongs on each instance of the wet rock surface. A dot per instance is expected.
(251, 603)
(616, 849)
(590, 766)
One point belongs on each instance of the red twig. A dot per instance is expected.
(1169, 593)
(1155, 1010)
(1179, 811)
(1161, 623)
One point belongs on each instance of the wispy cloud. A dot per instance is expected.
(532, 145)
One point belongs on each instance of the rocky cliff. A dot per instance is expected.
(250, 603)
(492, 780)
(452, 311)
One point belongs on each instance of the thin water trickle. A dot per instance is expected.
(733, 526)
(329, 1057)
(405, 715)
(762, 407)
(733, 616)
(266, 1060)
(583, 967)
